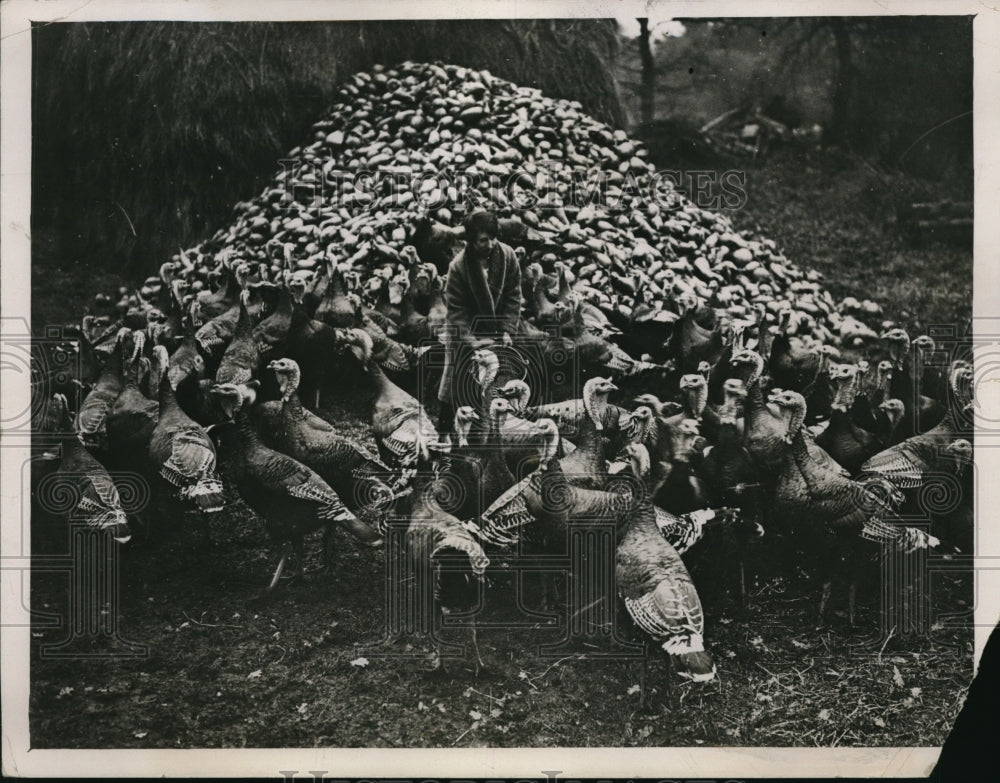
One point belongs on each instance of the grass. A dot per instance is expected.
(835, 213)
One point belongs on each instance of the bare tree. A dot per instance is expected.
(647, 92)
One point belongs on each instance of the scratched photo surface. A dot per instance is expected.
(671, 447)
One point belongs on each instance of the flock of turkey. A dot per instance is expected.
(671, 375)
(726, 423)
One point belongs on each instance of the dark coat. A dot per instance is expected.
(479, 305)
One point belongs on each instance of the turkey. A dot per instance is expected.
(400, 359)
(91, 418)
(765, 429)
(693, 389)
(871, 395)
(908, 463)
(683, 531)
(922, 411)
(291, 499)
(443, 555)
(312, 344)
(842, 439)
(829, 514)
(662, 408)
(185, 361)
(493, 369)
(678, 486)
(83, 480)
(402, 427)
(570, 415)
(520, 441)
(545, 312)
(595, 352)
(181, 452)
(480, 473)
(657, 590)
(357, 476)
(586, 466)
(241, 357)
(793, 363)
(538, 508)
(819, 391)
(694, 395)
(132, 418)
(272, 333)
(214, 335)
(731, 474)
(929, 376)
(335, 309)
(690, 342)
(213, 304)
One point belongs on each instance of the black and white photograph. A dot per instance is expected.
(529, 380)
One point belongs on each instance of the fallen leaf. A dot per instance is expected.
(633, 689)
(496, 712)
(302, 708)
(361, 662)
(800, 645)
(185, 624)
(879, 722)
(64, 692)
(421, 706)
(255, 675)
(699, 742)
(522, 675)
(824, 714)
(475, 714)
(897, 677)
(140, 734)
(916, 692)
(645, 731)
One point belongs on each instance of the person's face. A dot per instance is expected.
(482, 244)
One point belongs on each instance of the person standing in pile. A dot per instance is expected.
(483, 297)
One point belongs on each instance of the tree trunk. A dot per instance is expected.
(647, 92)
(843, 127)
